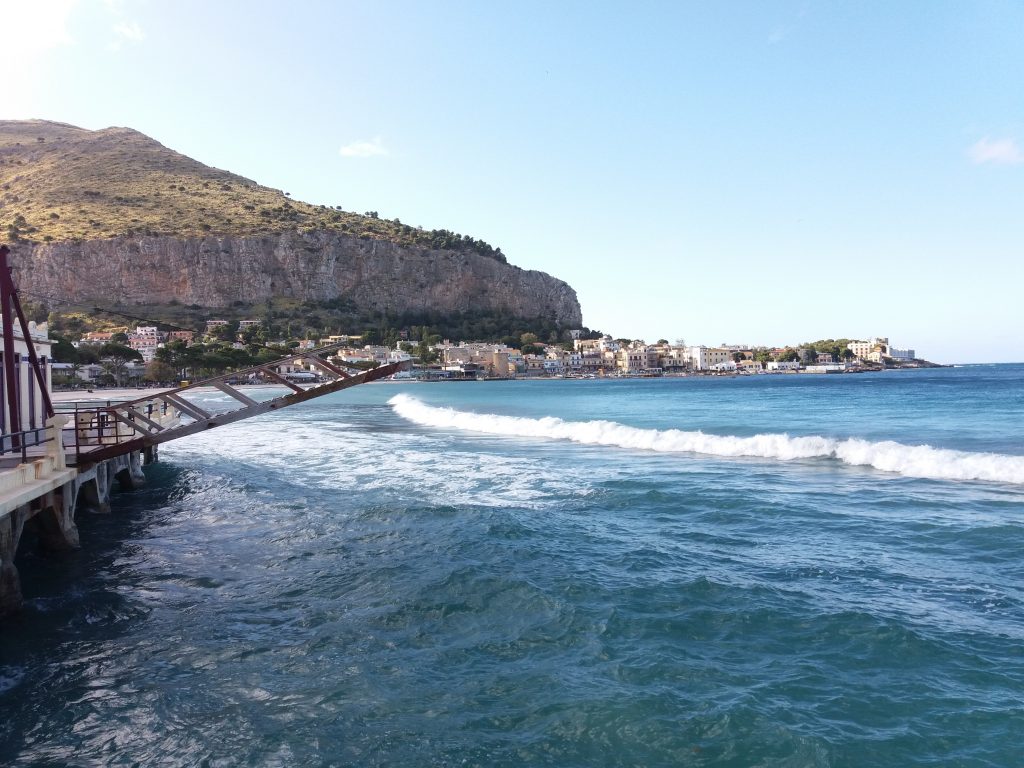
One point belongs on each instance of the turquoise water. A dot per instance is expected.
(763, 571)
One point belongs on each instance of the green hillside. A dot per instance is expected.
(59, 182)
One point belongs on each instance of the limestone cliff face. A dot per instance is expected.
(320, 265)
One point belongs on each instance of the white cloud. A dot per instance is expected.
(130, 31)
(996, 151)
(372, 148)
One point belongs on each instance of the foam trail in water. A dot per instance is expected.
(909, 460)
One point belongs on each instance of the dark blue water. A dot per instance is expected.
(762, 571)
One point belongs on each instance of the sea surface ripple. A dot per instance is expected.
(475, 574)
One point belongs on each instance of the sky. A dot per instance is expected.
(743, 172)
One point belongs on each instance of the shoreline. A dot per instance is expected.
(121, 394)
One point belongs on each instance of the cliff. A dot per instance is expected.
(114, 217)
(320, 266)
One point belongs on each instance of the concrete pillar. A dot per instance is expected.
(10, 584)
(130, 475)
(88, 496)
(55, 521)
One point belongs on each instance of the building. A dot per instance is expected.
(706, 358)
(145, 340)
(902, 354)
(675, 359)
(186, 336)
(879, 348)
(636, 359)
(782, 365)
(862, 349)
(31, 411)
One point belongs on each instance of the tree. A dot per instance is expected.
(158, 370)
(63, 351)
(227, 332)
(115, 359)
(528, 339)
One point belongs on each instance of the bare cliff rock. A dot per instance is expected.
(113, 216)
(215, 271)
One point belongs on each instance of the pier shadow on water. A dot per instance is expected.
(75, 603)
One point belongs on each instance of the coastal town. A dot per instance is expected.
(135, 355)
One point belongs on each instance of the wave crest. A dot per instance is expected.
(909, 460)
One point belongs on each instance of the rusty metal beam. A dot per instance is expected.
(124, 420)
(227, 389)
(182, 405)
(144, 419)
(241, 374)
(201, 425)
(323, 365)
(271, 373)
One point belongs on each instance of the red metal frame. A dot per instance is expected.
(11, 305)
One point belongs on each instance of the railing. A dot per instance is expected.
(91, 425)
(14, 443)
(101, 431)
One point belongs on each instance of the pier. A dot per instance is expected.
(57, 461)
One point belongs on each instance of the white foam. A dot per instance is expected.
(908, 460)
(356, 460)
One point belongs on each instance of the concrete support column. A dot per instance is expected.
(55, 521)
(138, 477)
(88, 493)
(10, 584)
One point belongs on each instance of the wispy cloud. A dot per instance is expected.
(130, 31)
(996, 152)
(372, 148)
(777, 35)
(125, 33)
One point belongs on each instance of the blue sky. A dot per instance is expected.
(759, 173)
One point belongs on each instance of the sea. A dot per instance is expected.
(778, 570)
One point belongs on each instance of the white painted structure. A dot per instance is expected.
(31, 415)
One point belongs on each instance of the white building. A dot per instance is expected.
(706, 358)
(878, 348)
(902, 354)
(145, 340)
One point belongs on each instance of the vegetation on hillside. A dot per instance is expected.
(60, 183)
(283, 319)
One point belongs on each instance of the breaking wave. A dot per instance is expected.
(908, 460)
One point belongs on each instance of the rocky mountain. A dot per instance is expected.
(114, 217)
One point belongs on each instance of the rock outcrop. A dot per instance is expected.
(113, 216)
(320, 265)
